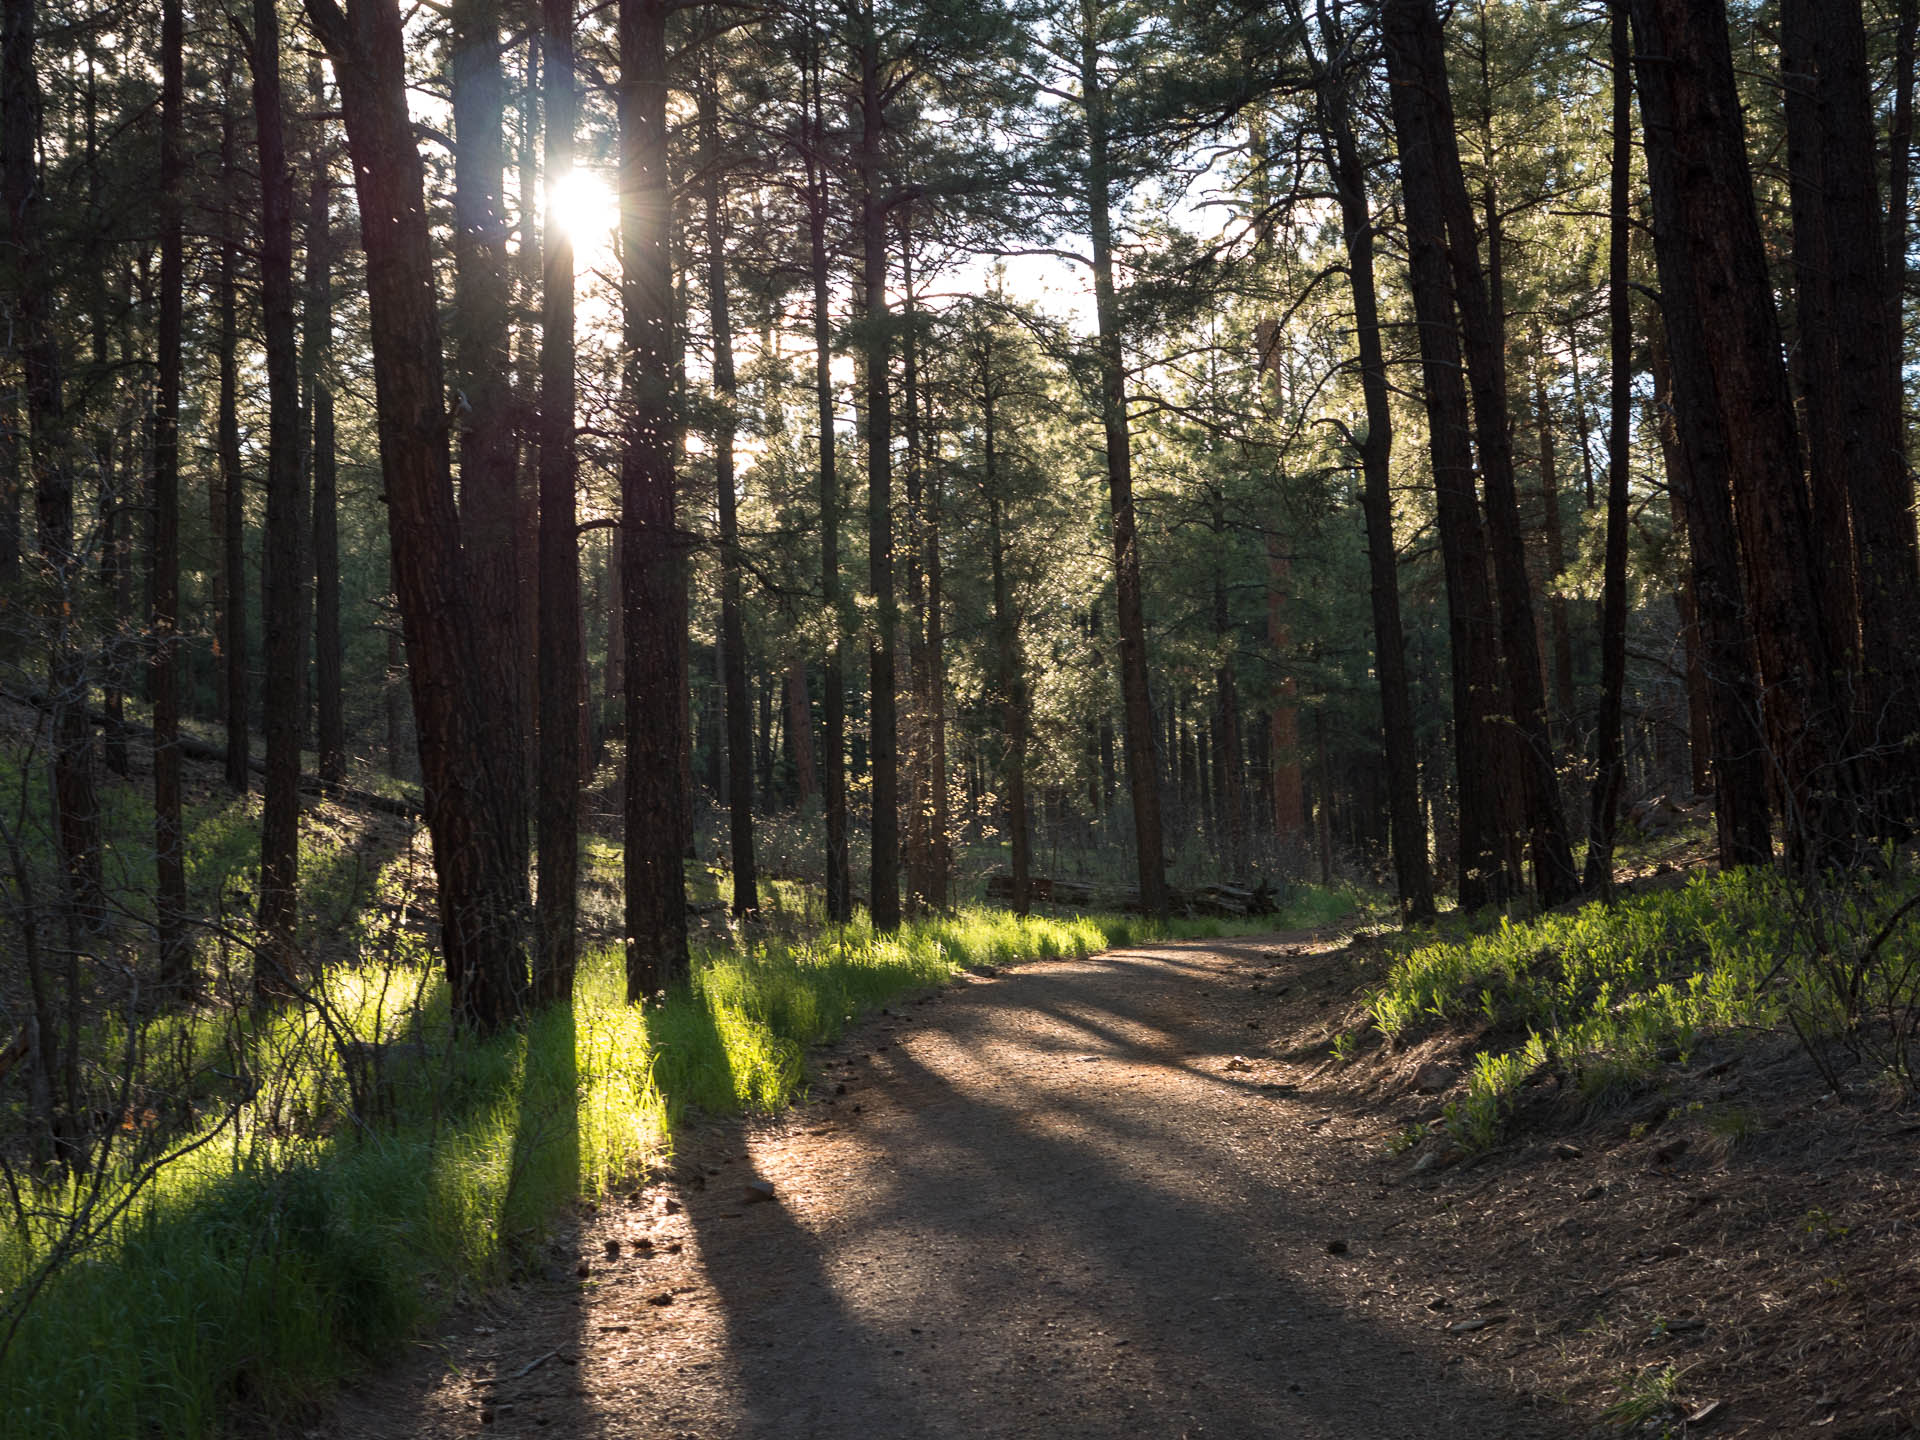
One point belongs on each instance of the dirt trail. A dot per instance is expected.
(1050, 1202)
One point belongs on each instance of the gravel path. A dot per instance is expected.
(1076, 1198)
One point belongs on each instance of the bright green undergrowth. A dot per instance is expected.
(320, 1221)
(1604, 993)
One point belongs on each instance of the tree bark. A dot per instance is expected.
(1229, 785)
(739, 719)
(328, 657)
(1137, 713)
(1551, 523)
(559, 652)
(77, 823)
(12, 438)
(1412, 874)
(276, 961)
(1417, 64)
(656, 799)
(940, 821)
(233, 553)
(800, 732)
(1470, 622)
(484, 400)
(1608, 765)
(1010, 677)
(882, 714)
(1900, 177)
(163, 600)
(833, 712)
(479, 894)
(916, 790)
(1861, 490)
(1736, 414)
(1288, 775)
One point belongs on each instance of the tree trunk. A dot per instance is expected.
(1900, 178)
(1470, 623)
(1613, 607)
(883, 738)
(656, 801)
(1735, 410)
(1323, 820)
(276, 961)
(1010, 678)
(462, 782)
(1861, 490)
(1142, 774)
(833, 711)
(800, 732)
(163, 600)
(739, 719)
(233, 553)
(329, 686)
(940, 821)
(1552, 525)
(1229, 785)
(559, 651)
(1417, 64)
(1288, 776)
(916, 790)
(77, 822)
(484, 401)
(1411, 872)
(12, 438)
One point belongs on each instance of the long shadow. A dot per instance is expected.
(1012, 1250)
(546, 1387)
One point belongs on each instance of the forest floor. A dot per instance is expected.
(1132, 1196)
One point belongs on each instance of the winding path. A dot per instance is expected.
(1076, 1198)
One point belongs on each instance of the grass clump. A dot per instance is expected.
(1606, 994)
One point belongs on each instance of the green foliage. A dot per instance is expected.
(1606, 993)
(1651, 1395)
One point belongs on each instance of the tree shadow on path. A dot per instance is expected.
(1006, 1243)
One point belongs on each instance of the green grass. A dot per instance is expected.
(297, 1244)
(1603, 993)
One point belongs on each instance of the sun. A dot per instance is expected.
(582, 206)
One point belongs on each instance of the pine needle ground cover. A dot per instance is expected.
(362, 1164)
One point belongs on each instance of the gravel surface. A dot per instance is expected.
(1073, 1198)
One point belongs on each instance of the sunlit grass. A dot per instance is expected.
(1604, 994)
(329, 1212)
